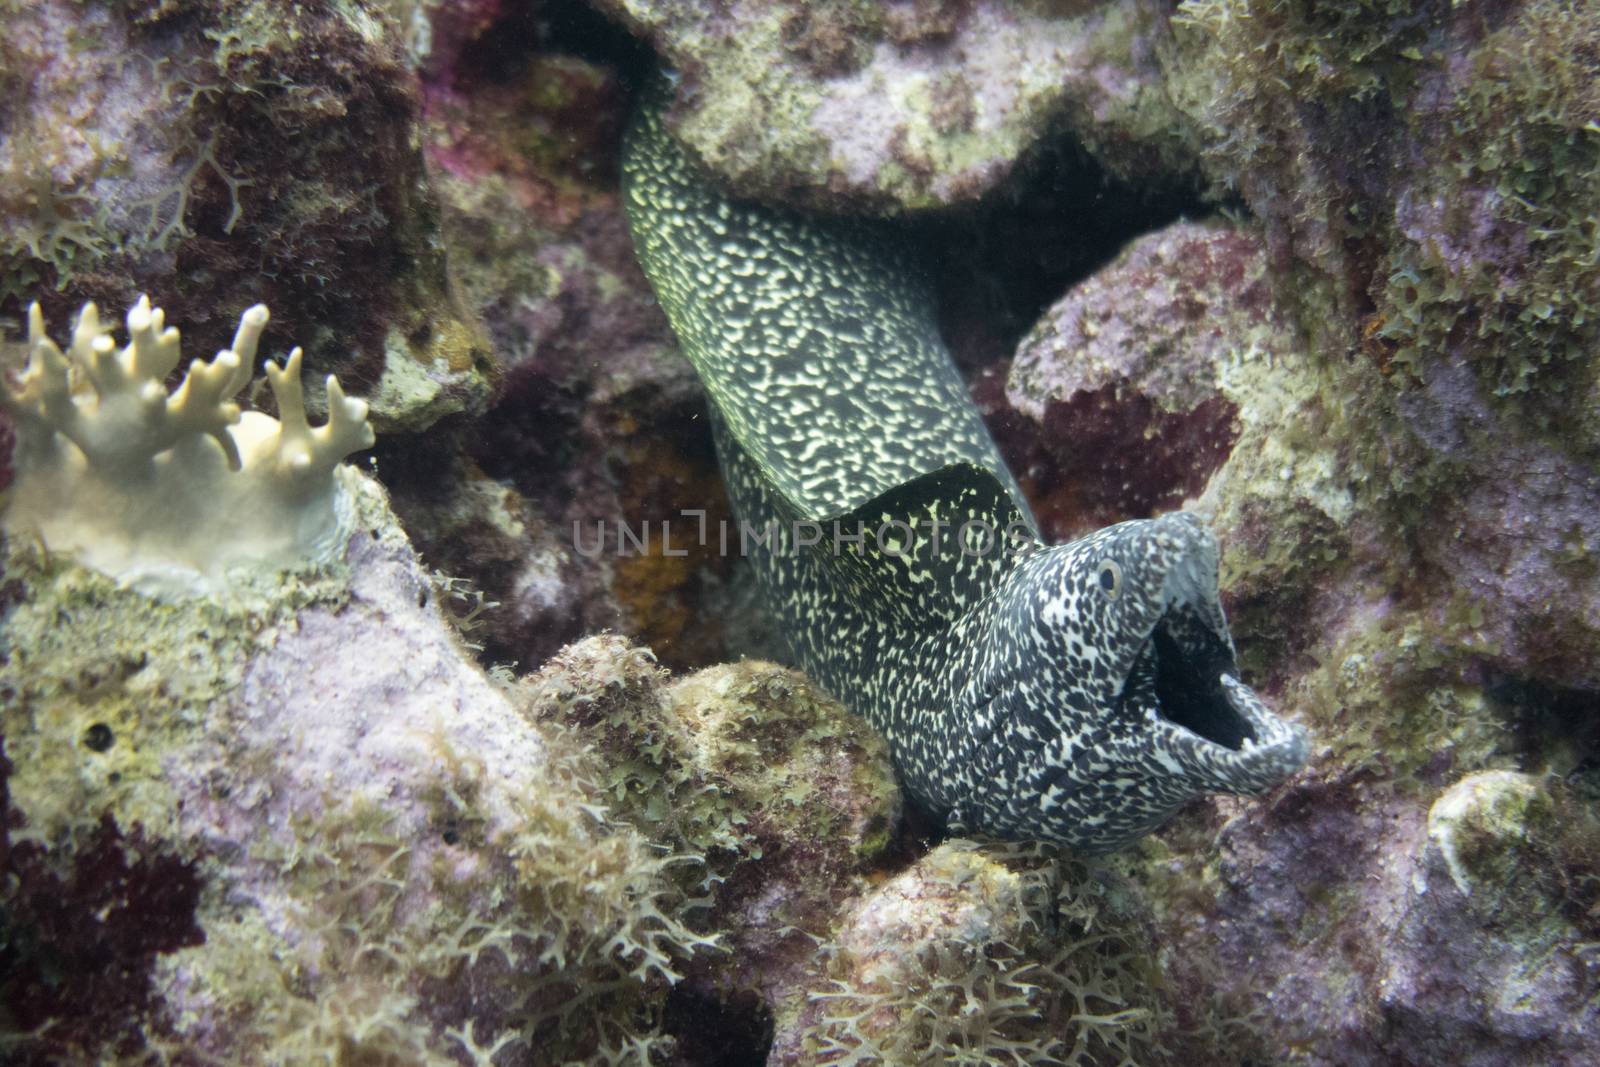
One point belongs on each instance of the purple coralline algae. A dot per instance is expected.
(913, 104)
(1320, 921)
(1400, 933)
(1115, 402)
(217, 155)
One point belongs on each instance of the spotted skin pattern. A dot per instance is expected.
(1076, 693)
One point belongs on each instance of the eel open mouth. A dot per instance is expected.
(1190, 662)
(1185, 678)
(1178, 676)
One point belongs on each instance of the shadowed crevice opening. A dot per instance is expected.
(719, 1030)
(1189, 688)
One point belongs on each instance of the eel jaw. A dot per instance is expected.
(1185, 678)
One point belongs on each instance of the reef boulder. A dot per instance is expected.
(987, 954)
(911, 104)
(218, 155)
(1116, 404)
(258, 829)
(1401, 933)
(787, 799)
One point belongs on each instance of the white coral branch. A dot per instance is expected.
(113, 404)
(112, 466)
(300, 451)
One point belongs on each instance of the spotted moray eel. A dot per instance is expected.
(1076, 693)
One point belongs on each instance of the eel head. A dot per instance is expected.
(1128, 690)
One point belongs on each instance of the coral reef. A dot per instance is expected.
(360, 843)
(297, 821)
(999, 955)
(174, 492)
(1425, 183)
(1115, 404)
(911, 104)
(218, 155)
(1438, 712)
(788, 798)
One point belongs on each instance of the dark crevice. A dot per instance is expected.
(998, 265)
(1551, 729)
(1188, 687)
(718, 1030)
(563, 27)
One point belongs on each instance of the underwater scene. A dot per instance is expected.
(707, 533)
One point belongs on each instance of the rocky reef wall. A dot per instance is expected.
(1323, 273)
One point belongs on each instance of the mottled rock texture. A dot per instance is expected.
(788, 799)
(260, 830)
(312, 827)
(218, 155)
(1425, 179)
(1117, 401)
(910, 104)
(1332, 919)
(1009, 955)
(1396, 934)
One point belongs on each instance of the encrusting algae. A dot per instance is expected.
(261, 802)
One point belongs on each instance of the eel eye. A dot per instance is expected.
(1110, 578)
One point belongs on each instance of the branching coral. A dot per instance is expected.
(173, 491)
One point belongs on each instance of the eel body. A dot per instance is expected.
(1077, 693)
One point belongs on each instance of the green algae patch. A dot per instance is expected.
(984, 954)
(1517, 168)
(1475, 233)
(774, 802)
(104, 686)
(736, 764)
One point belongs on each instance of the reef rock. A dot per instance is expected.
(1412, 672)
(911, 104)
(218, 155)
(1117, 402)
(788, 799)
(1425, 181)
(260, 830)
(983, 954)
(1399, 933)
